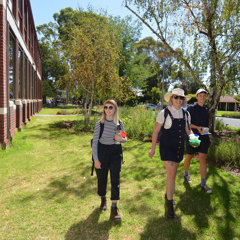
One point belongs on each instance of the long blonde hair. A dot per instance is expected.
(115, 116)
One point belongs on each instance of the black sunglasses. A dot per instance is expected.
(108, 107)
(177, 97)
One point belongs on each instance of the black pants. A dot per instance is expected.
(110, 157)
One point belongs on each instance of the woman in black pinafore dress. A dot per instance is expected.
(174, 123)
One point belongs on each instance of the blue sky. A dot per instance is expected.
(43, 10)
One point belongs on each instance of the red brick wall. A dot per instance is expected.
(19, 114)
(3, 87)
(29, 110)
(12, 111)
(25, 119)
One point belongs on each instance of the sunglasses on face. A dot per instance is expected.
(177, 97)
(108, 107)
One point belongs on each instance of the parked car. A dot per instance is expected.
(151, 106)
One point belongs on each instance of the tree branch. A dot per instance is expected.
(171, 50)
(231, 56)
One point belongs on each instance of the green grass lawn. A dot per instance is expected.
(47, 192)
(52, 110)
(230, 114)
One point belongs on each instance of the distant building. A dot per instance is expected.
(228, 103)
(20, 68)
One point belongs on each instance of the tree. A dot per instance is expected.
(93, 53)
(156, 63)
(129, 32)
(54, 65)
(156, 95)
(211, 29)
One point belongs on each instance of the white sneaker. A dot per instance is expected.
(187, 178)
(206, 189)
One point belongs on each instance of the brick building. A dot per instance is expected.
(20, 68)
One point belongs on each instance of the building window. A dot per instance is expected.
(25, 78)
(29, 80)
(25, 22)
(20, 6)
(20, 73)
(20, 14)
(12, 66)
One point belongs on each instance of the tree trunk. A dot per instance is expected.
(67, 95)
(212, 118)
(86, 120)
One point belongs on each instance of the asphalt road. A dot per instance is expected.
(231, 122)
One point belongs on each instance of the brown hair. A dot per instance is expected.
(115, 116)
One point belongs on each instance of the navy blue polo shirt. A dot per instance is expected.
(199, 116)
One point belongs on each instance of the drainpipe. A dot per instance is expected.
(7, 75)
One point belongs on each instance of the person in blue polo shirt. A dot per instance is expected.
(199, 125)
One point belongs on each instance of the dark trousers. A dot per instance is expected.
(110, 157)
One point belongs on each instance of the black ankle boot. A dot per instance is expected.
(170, 213)
(167, 199)
(114, 215)
(103, 205)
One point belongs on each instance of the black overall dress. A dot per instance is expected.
(172, 140)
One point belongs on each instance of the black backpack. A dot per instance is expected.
(100, 134)
(166, 112)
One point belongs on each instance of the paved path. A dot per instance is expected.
(60, 115)
(231, 122)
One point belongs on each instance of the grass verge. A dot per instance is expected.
(47, 192)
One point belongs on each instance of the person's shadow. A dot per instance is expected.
(90, 229)
(161, 228)
(194, 202)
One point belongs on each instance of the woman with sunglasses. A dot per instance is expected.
(173, 130)
(107, 155)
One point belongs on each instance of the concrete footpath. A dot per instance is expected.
(60, 115)
(231, 122)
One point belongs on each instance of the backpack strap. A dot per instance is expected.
(185, 114)
(101, 130)
(166, 112)
(119, 127)
(100, 135)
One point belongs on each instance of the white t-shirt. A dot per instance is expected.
(175, 113)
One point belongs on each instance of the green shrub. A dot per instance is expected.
(79, 125)
(156, 95)
(219, 125)
(139, 124)
(125, 111)
(225, 151)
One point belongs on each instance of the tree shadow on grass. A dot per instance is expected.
(90, 229)
(161, 228)
(194, 202)
(217, 206)
(224, 197)
(63, 187)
